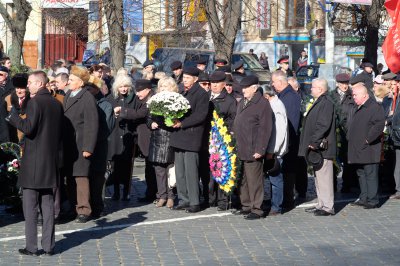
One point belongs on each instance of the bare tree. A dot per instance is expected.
(224, 21)
(374, 13)
(115, 23)
(17, 25)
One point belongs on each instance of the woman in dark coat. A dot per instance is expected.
(161, 154)
(121, 141)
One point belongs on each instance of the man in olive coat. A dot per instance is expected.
(187, 141)
(364, 135)
(82, 123)
(39, 167)
(319, 127)
(252, 128)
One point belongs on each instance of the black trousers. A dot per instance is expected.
(368, 178)
(204, 172)
(122, 171)
(96, 184)
(151, 181)
(32, 200)
(217, 196)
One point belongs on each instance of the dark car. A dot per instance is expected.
(189, 57)
(305, 75)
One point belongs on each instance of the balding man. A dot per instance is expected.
(292, 101)
(364, 135)
(318, 136)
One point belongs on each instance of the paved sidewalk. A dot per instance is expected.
(137, 234)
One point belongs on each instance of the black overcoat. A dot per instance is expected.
(365, 131)
(226, 105)
(319, 124)
(138, 115)
(81, 127)
(42, 128)
(189, 137)
(122, 138)
(159, 150)
(252, 127)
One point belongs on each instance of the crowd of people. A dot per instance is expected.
(77, 124)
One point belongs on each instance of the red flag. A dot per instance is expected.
(391, 45)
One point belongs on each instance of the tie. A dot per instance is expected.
(245, 103)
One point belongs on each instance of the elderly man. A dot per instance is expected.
(252, 128)
(187, 141)
(364, 135)
(62, 83)
(343, 103)
(225, 105)
(39, 167)
(176, 68)
(290, 164)
(318, 135)
(80, 136)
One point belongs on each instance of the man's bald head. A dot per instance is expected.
(360, 93)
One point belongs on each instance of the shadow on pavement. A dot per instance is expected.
(101, 230)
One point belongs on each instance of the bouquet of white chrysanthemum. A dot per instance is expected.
(170, 105)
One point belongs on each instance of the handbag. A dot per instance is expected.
(171, 176)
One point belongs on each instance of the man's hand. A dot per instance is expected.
(311, 147)
(257, 155)
(177, 124)
(154, 125)
(86, 154)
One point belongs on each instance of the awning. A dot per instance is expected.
(356, 52)
(291, 39)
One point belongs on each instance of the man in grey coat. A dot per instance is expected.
(80, 139)
(39, 167)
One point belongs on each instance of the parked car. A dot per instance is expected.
(189, 57)
(305, 75)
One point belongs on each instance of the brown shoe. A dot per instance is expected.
(161, 203)
(170, 203)
(395, 196)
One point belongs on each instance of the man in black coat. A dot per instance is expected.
(365, 77)
(5, 89)
(364, 135)
(319, 135)
(291, 163)
(225, 105)
(343, 102)
(252, 128)
(187, 141)
(38, 176)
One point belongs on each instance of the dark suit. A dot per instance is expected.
(187, 142)
(39, 175)
(252, 128)
(364, 135)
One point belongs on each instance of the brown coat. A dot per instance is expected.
(252, 127)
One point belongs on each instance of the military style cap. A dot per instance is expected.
(142, 84)
(283, 59)
(176, 65)
(148, 63)
(238, 64)
(389, 76)
(217, 76)
(203, 77)
(220, 62)
(248, 81)
(342, 78)
(192, 71)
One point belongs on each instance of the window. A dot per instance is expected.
(173, 13)
(295, 13)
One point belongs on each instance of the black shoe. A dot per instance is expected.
(81, 218)
(358, 203)
(252, 216)
(180, 207)
(222, 208)
(370, 206)
(322, 213)
(311, 210)
(345, 190)
(115, 197)
(193, 209)
(48, 253)
(126, 198)
(205, 205)
(240, 212)
(24, 251)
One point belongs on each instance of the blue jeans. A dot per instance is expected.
(277, 190)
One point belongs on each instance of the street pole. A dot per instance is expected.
(329, 38)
